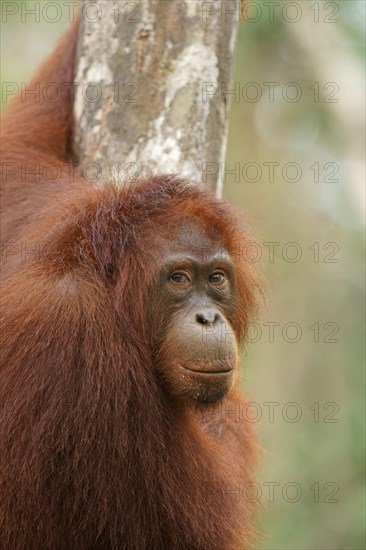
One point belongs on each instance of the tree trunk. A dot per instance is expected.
(152, 77)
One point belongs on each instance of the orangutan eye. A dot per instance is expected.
(217, 278)
(179, 278)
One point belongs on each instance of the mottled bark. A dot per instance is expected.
(152, 77)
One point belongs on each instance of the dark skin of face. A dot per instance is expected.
(197, 350)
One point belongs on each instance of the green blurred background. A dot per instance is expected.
(297, 140)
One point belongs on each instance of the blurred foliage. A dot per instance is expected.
(331, 210)
(325, 285)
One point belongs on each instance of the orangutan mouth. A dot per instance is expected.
(211, 372)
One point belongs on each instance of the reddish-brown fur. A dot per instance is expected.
(94, 453)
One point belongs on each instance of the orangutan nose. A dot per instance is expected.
(207, 317)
